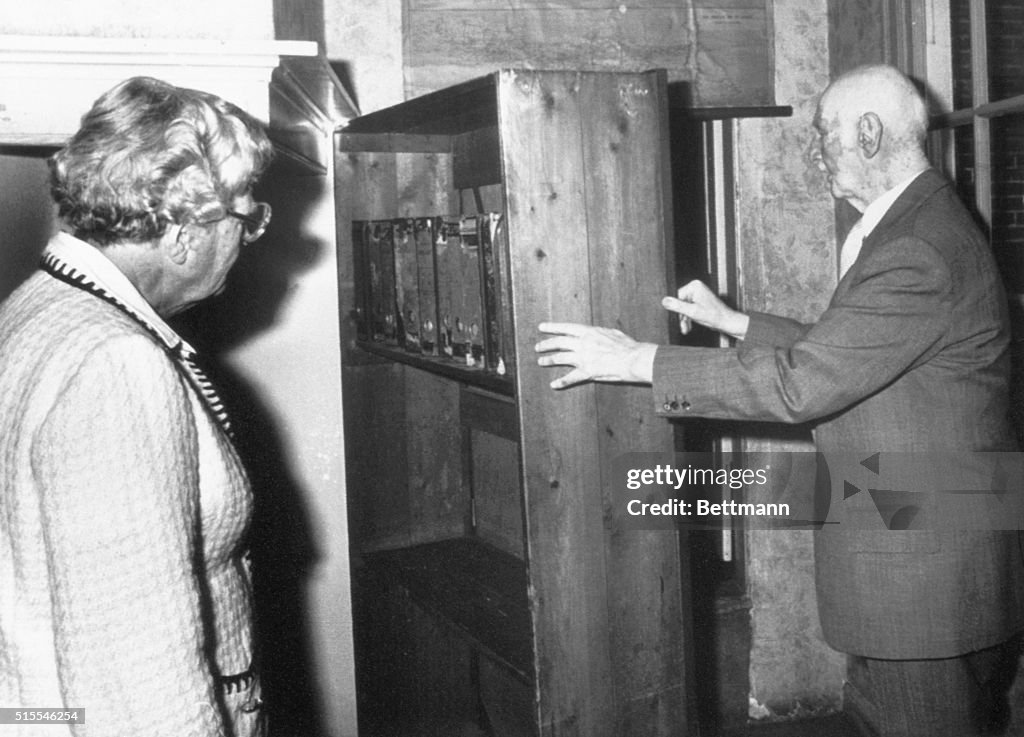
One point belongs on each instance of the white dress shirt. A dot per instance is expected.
(871, 217)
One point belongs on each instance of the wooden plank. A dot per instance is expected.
(476, 589)
(611, 5)
(614, 5)
(394, 142)
(723, 48)
(453, 109)
(497, 501)
(375, 440)
(731, 4)
(507, 703)
(491, 422)
(535, 5)
(492, 413)
(477, 158)
(443, 47)
(438, 495)
(371, 184)
(442, 366)
(629, 234)
(424, 184)
(541, 122)
(982, 126)
(374, 411)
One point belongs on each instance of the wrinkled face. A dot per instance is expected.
(215, 250)
(837, 154)
(214, 263)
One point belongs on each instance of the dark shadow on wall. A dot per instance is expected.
(285, 553)
(26, 212)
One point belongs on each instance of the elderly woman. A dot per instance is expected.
(123, 505)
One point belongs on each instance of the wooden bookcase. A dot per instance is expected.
(495, 574)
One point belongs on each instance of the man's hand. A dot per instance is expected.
(595, 354)
(696, 303)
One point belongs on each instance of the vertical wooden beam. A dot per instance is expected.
(982, 125)
(629, 224)
(375, 427)
(540, 120)
(939, 73)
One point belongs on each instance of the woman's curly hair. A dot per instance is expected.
(149, 154)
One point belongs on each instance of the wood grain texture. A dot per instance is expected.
(723, 49)
(445, 46)
(628, 227)
(438, 495)
(374, 411)
(424, 184)
(496, 484)
(541, 119)
(532, 5)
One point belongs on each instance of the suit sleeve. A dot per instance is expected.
(892, 316)
(117, 465)
(772, 330)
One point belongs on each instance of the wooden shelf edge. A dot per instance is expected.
(464, 582)
(732, 113)
(444, 366)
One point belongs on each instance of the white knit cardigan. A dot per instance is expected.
(124, 585)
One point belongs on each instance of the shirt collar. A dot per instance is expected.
(65, 252)
(874, 212)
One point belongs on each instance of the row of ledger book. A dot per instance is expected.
(436, 286)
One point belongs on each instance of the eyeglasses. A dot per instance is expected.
(255, 223)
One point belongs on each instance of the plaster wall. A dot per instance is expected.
(291, 363)
(788, 266)
(366, 39)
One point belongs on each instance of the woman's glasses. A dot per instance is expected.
(255, 223)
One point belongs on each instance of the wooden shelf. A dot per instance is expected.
(479, 590)
(458, 109)
(680, 102)
(444, 366)
(501, 468)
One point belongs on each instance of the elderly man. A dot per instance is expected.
(910, 356)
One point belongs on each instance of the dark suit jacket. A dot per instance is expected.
(911, 355)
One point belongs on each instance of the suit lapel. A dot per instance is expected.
(927, 184)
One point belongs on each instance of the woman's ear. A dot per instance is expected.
(179, 241)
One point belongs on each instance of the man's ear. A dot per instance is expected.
(869, 134)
